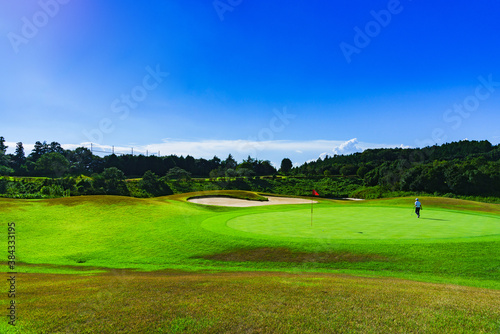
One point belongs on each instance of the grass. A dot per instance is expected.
(368, 222)
(178, 266)
(122, 301)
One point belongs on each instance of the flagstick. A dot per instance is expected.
(312, 211)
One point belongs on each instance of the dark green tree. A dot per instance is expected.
(348, 170)
(149, 182)
(264, 168)
(3, 147)
(245, 168)
(19, 157)
(230, 173)
(362, 170)
(55, 147)
(81, 160)
(215, 173)
(114, 181)
(246, 172)
(154, 185)
(52, 165)
(38, 150)
(190, 164)
(230, 163)
(178, 173)
(4, 170)
(434, 178)
(286, 165)
(4, 160)
(245, 165)
(214, 163)
(114, 161)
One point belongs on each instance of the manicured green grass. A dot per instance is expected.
(455, 242)
(366, 223)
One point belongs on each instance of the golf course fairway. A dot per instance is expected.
(107, 264)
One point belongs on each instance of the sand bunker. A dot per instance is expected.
(236, 202)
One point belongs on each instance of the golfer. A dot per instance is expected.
(418, 207)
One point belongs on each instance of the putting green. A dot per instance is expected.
(367, 223)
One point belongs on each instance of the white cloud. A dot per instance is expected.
(348, 147)
(274, 151)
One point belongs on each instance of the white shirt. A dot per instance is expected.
(418, 204)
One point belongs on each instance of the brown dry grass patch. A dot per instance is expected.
(267, 254)
(121, 301)
(7, 204)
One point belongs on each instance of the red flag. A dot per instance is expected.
(315, 193)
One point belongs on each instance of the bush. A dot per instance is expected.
(114, 182)
(3, 186)
(54, 191)
(152, 185)
(178, 173)
(4, 170)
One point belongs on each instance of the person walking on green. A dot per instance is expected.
(418, 207)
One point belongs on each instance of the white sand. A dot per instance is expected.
(236, 202)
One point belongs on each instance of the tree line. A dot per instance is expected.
(467, 168)
(51, 160)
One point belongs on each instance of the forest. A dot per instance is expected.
(464, 168)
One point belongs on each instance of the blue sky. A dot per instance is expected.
(270, 79)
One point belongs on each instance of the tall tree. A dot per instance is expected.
(55, 147)
(19, 157)
(81, 160)
(264, 168)
(230, 163)
(3, 148)
(39, 149)
(52, 165)
(154, 185)
(4, 160)
(114, 181)
(286, 165)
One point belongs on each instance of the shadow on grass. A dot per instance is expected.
(286, 255)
